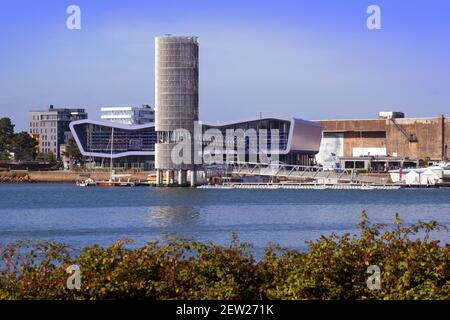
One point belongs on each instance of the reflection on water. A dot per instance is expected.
(287, 217)
(174, 216)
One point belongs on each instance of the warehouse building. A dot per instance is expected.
(388, 142)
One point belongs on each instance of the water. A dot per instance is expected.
(84, 216)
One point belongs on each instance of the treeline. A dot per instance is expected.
(24, 147)
(21, 144)
(333, 267)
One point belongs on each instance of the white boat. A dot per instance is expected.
(86, 183)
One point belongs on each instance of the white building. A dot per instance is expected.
(128, 115)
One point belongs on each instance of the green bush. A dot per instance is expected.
(333, 267)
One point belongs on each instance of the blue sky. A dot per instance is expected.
(308, 59)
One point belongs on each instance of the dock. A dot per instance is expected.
(299, 186)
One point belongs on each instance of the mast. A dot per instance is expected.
(112, 144)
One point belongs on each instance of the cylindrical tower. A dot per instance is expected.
(176, 96)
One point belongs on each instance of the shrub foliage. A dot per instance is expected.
(334, 267)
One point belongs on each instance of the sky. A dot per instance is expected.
(307, 59)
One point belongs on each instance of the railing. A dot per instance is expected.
(296, 172)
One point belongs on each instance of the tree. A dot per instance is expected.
(23, 146)
(40, 157)
(6, 133)
(50, 157)
(72, 151)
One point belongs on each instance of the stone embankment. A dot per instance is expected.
(61, 176)
(10, 177)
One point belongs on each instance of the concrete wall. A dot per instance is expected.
(447, 135)
(361, 139)
(429, 138)
(61, 176)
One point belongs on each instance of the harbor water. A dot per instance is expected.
(86, 216)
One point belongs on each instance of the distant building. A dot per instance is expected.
(129, 115)
(49, 127)
(387, 142)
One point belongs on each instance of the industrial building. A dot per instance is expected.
(50, 127)
(388, 142)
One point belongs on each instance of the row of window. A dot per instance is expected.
(47, 150)
(48, 144)
(45, 137)
(45, 117)
(35, 130)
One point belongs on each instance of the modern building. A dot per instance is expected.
(388, 142)
(128, 115)
(298, 141)
(176, 101)
(49, 127)
(130, 146)
(288, 140)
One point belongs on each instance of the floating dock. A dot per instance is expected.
(286, 186)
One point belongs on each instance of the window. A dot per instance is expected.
(349, 164)
(359, 165)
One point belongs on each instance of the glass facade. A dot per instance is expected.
(298, 141)
(277, 127)
(106, 139)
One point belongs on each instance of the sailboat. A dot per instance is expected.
(115, 180)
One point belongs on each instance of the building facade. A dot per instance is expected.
(297, 143)
(390, 140)
(128, 115)
(129, 146)
(49, 127)
(288, 140)
(176, 100)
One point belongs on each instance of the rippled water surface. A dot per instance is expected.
(84, 216)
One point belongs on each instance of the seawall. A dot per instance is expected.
(61, 176)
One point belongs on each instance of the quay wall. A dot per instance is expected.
(61, 176)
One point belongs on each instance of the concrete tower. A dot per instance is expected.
(176, 102)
